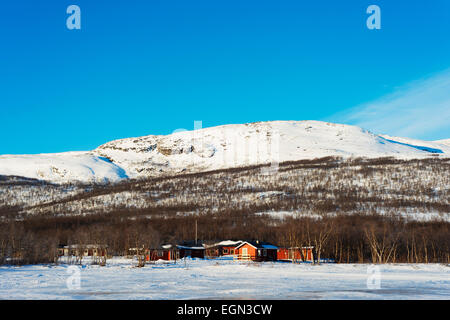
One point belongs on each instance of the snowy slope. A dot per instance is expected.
(440, 146)
(445, 142)
(62, 167)
(213, 148)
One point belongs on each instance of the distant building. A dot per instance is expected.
(256, 251)
(87, 250)
(223, 248)
(165, 252)
(191, 249)
(136, 252)
(296, 254)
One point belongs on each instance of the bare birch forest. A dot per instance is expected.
(358, 210)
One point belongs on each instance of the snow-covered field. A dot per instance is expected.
(226, 279)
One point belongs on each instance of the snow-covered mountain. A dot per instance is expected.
(213, 148)
(444, 142)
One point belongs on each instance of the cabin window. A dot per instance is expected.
(225, 250)
(232, 251)
(259, 252)
(265, 252)
(160, 253)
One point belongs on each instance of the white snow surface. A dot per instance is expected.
(443, 141)
(214, 148)
(62, 167)
(226, 279)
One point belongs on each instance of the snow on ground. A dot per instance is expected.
(284, 214)
(226, 279)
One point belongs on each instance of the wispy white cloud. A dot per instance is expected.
(420, 110)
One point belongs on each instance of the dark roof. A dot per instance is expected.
(190, 244)
(306, 247)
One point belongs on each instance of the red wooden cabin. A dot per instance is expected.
(304, 254)
(226, 250)
(256, 251)
(223, 248)
(165, 252)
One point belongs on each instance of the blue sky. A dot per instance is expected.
(150, 67)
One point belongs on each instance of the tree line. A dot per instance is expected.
(345, 239)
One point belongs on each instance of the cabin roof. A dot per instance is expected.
(225, 243)
(190, 248)
(258, 245)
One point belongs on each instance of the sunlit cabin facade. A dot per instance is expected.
(256, 251)
(164, 252)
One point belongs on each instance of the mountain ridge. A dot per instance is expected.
(220, 147)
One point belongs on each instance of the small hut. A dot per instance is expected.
(165, 252)
(191, 249)
(295, 254)
(87, 250)
(256, 251)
